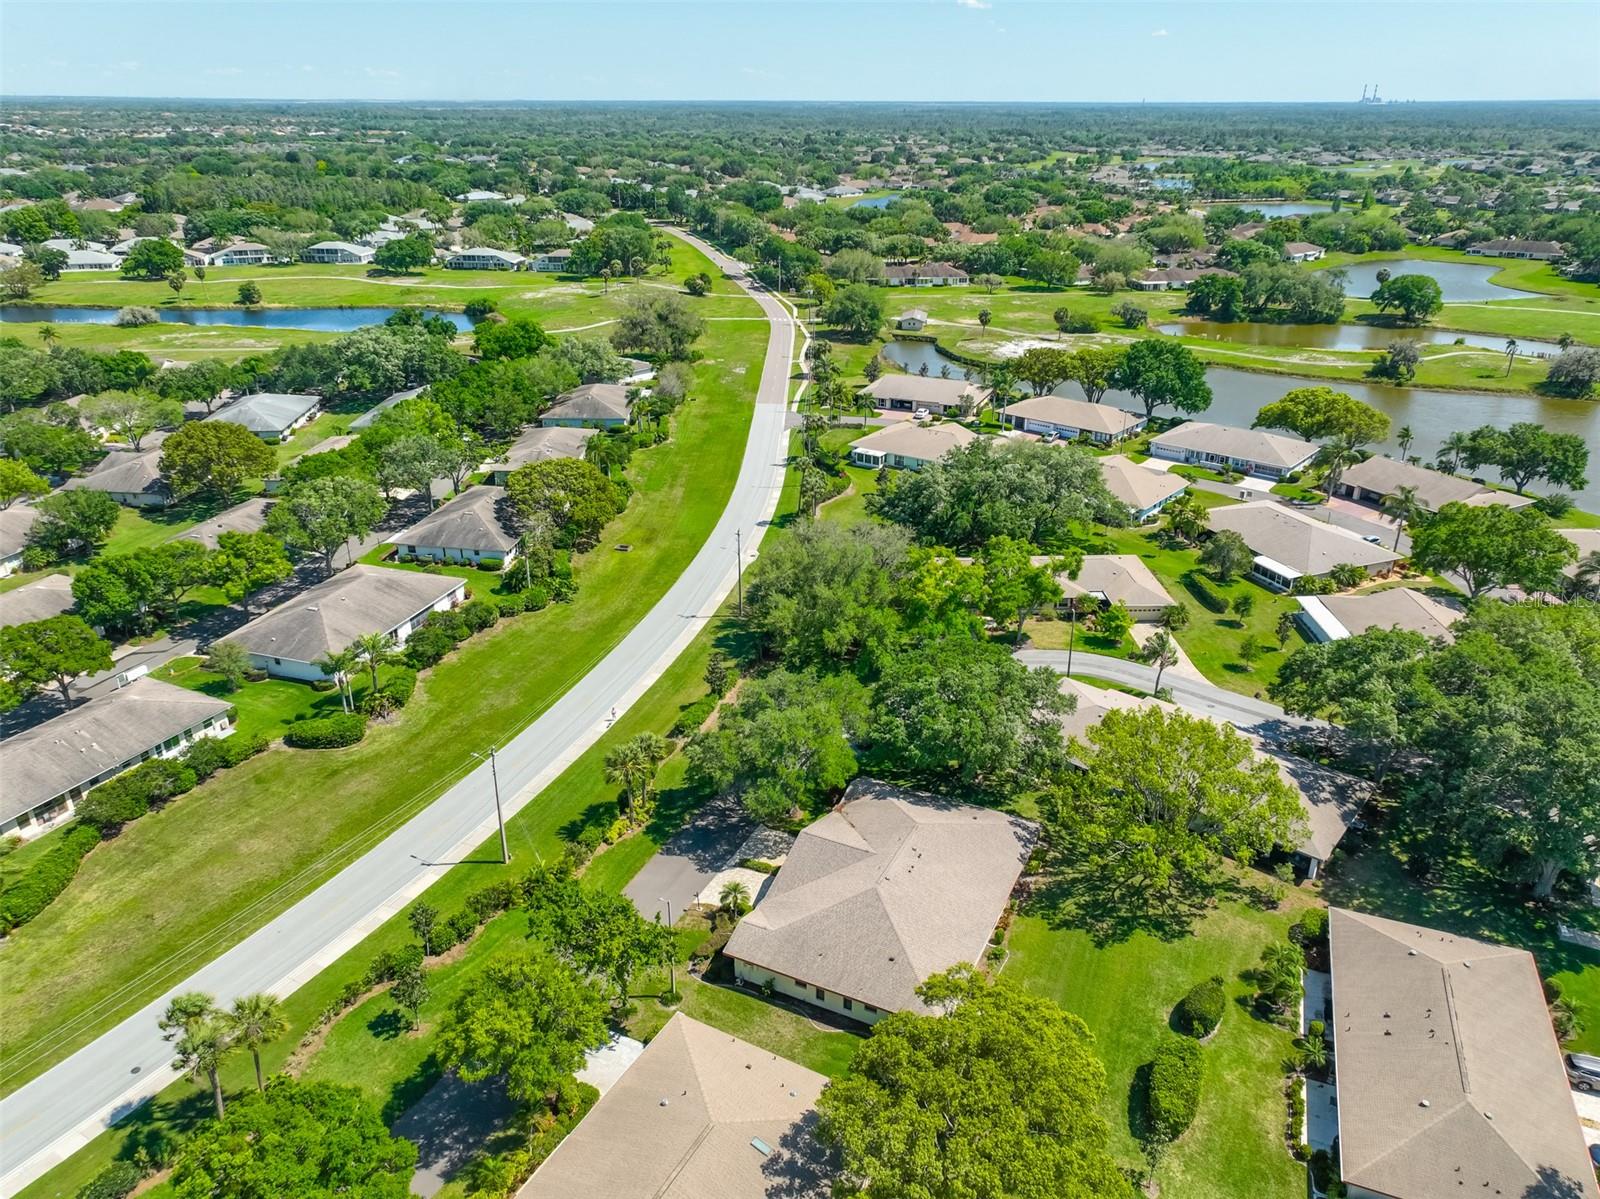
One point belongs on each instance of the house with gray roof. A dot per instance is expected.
(16, 522)
(924, 274)
(1335, 617)
(366, 419)
(592, 406)
(1144, 492)
(248, 517)
(1449, 1077)
(472, 528)
(1252, 451)
(131, 477)
(485, 258)
(888, 888)
(551, 262)
(343, 252)
(908, 445)
(1377, 478)
(49, 767)
(1518, 247)
(1288, 544)
(702, 1113)
(289, 640)
(38, 600)
(909, 393)
(271, 416)
(1055, 416)
(539, 444)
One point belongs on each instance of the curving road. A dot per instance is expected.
(49, 1118)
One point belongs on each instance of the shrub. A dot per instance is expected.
(116, 1181)
(32, 890)
(1314, 585)
(535, 598)
(1347, 574)
(1311, 928)
(327, 732)
(129, 796)
(1205, 592)
(1552, 989)
(207, 755)
(490, 565)
(461, 926)
(479, 614)
(1200, 1011)
(451, 623)
(476, 310)
(427, 646)
(692, 717)
(389, 965)
(1555, 505)
(759, 866)
(509, 605)
(136, 317)
(1175, 1077)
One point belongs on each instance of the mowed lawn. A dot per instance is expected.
(1125, 993)
(176, 888)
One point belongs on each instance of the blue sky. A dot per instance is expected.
(994, 50)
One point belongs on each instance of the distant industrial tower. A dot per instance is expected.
(1370, 99)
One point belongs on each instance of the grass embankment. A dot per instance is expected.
(123, 931)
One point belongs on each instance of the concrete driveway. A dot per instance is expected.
(690, 860)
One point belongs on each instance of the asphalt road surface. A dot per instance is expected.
(50, 1117)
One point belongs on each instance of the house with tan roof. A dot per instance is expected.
(1253, 451)
(1118, 579)
(888, 888)
(592, 406)
(540, 444)
(1303, 251)
(701, 1114)
(909, 446)
(939, 397)
(1053, 416)
(1587, 542)
(1288, 544)
(1144, 492)
(1335, 617)
(38, 600)
(1448, 1074)
(1377, 478)
(924, 274)
(131, 477)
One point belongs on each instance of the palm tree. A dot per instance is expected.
(1161, 651)
(1511, 354)
(338, 667)
(49, 336)
(258, 1020)
(1586, 578)
(735, 898)
(202, 1039)
(1405, 437)
(1454, 449)
(633, 765)
(374, 649)
(1402, 507)
(605, 279)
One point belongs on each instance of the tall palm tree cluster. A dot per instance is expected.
(204, 1035)
(370, 650)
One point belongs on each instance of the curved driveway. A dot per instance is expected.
(50, 1117)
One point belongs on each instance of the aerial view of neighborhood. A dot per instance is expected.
(611, 600)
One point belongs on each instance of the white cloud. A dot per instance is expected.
(974, 3)
(1158, 33)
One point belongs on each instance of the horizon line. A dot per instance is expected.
(6, 98)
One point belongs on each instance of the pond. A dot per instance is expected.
(1272, 208)
(875, 202)
(321, 320)
(1343, 337)
(1432, 415)
(1461, 282)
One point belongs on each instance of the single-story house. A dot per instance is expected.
(125, 247)
(271, 416)
(468, 528)
(91, 260)
(241, 253)
(1119, 578)
(1247, 230)
(1252, 451)
(941, 397)
(485, 258)
(1373, 481)
(578, 224)
(551, 262)
(248, 517)
(366, 419)
(912, 320)
(702, 1113)
(1063, 416)
(908, 446)
(1587, 541)
(540, 444)
(49, 767)
(16, 521)
(1335, 617)
(924, 274)
(337, 252)
(1303, 251)
(889, 887)
(1517, 247)
(1144, 491)
(131, 477)
(1449, 1077)
(1173, 278)
(592, 406)
(289, 639)
(477, 195)
(68, 244)
(38, 600)
(1329, 799)
(1288, 544)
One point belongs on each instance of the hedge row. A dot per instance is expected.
(1200, 1011)
(692, 717)
(1203, 591)
(33, 890)
(327, 732)
(116, 1181)
(1174, 1097)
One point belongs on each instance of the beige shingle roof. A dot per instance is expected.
(888, 888)
(1137, 486)
(471, 521)
(123, 472)
(1251, 445)
(1075, 414)
(920, 389)
(540, 444)
(592, 401)
(928, 443)
(1302, 542)
(699, 1115)
(38, 600)
(1435, 489)
(248, 517)
(1450, 1080)
(1397, 606)
(1122, 577)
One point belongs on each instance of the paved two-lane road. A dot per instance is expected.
(50, 1117)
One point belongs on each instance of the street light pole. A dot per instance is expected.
(738, 554)
(672, 969)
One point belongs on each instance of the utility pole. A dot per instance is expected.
(738, 553)
(499, 813)
(672, 966)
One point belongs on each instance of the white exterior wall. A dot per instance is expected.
(759, 977)
(308, 672)
(8, 565)
(443, 553)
